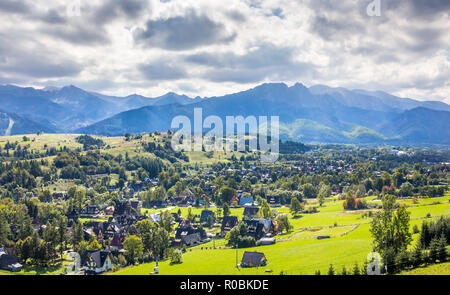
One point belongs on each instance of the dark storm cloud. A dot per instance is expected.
(267, 61)
(337, 28)
(236, 16)
(162, 70)
(14, 6)
(341, 21)
(23, 59)
(52, 16)
(79, 34)
(113, 9)
(183, 32)
(423, 9)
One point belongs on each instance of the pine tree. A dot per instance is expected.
(344, 271)
(331, 271)
(417, 255)
(5, 232)
(434, 249)
(356, 270)
(442, 248)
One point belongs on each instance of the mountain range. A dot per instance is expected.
(315, 114)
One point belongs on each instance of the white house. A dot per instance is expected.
(95, 262)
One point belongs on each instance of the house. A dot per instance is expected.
(228, 222)
(251, 212)
(89, 211)
(191, 240)
(9, 262)
(255, 228)
(187, 235)
(95, 262)
(117, 242)
(253, 259)
(205, 214)
(122, 208)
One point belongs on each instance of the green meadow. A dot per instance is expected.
(298, 252)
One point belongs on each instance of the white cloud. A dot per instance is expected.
(404, 51)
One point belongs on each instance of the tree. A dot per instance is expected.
(190, 215)
(51, 237)
(94, 244)
(166, 219)
(176, 257)
(283, 223)
(78, 235)
(406, 189)
(390, 229)
(61, 224)
(434, 250)
(161, 242)
(442, 248)
(331, 271)
(296, 207)
(226, 194)
(309, 191)
(134, 247)
(324, 192)
(5, 232)
(226, 210)
(417, 255)
(145, 229)
(356, 270)
(82, 248)
(265, 210)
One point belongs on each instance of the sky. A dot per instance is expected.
(212, 47)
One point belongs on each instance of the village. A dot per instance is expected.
(136, 206)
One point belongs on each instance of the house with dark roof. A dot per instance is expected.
(95, 262)
(191, 240)
(251, 212)
(187, 235)
(117, 242)
(255, 228)
(89, 211)
(9, 262)
(253, 259)
(228, 222)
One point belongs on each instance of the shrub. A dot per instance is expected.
(176, 257)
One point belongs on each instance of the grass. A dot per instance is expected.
(435, 269)
(299, 252)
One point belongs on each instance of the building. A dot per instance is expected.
(253, 259)
(95, 262)
(89, 211)
(251, 212)
(228, 222)
(9, 262)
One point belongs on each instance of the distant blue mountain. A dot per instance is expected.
(316, 114)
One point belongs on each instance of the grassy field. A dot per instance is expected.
(436, 269)
(299, 252)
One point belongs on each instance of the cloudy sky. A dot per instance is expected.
(209, 47)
